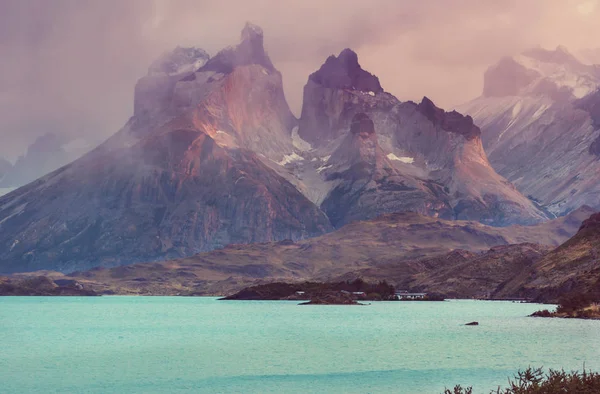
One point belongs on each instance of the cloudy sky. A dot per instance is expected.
(69, 66)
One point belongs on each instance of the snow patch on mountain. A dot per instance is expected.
(403, 159)
(298, 142)
(540, 111)
(580, 83)
(323, 168)
(287, 159)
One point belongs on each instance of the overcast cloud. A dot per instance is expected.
(70, 65)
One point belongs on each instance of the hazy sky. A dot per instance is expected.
(70, 65)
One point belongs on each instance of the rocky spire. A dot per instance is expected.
(453, 122)
(250, 50)
(344, 72)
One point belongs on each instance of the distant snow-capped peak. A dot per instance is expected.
(539, 72)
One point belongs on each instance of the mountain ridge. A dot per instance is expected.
(391, 247)
(213, 156)
(544, 140)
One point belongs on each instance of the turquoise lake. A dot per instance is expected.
(201, 345)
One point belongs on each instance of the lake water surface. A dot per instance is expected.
(176, 344)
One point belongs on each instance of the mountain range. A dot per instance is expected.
(214, 184)
(213, 156)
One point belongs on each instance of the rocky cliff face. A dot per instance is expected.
(368, 184)
(328, 90)
(425, 148)
(177, 179)
(541, 131)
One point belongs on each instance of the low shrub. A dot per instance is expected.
(535, 381)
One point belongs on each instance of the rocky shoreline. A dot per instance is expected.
(585, 314)
(42, 286)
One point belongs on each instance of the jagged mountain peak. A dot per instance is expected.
(344, 72)
(252, 32)
(249, 51)
(453, 121)
(556, 74)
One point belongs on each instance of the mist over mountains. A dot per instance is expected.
(65, 72)
(213, 158)
(213, 155)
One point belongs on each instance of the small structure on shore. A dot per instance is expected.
(405, 295)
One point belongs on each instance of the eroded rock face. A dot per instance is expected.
(368, 185)
(362, 126)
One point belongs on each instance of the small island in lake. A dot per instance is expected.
(332, 293)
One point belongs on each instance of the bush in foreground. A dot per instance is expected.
(534, 381)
